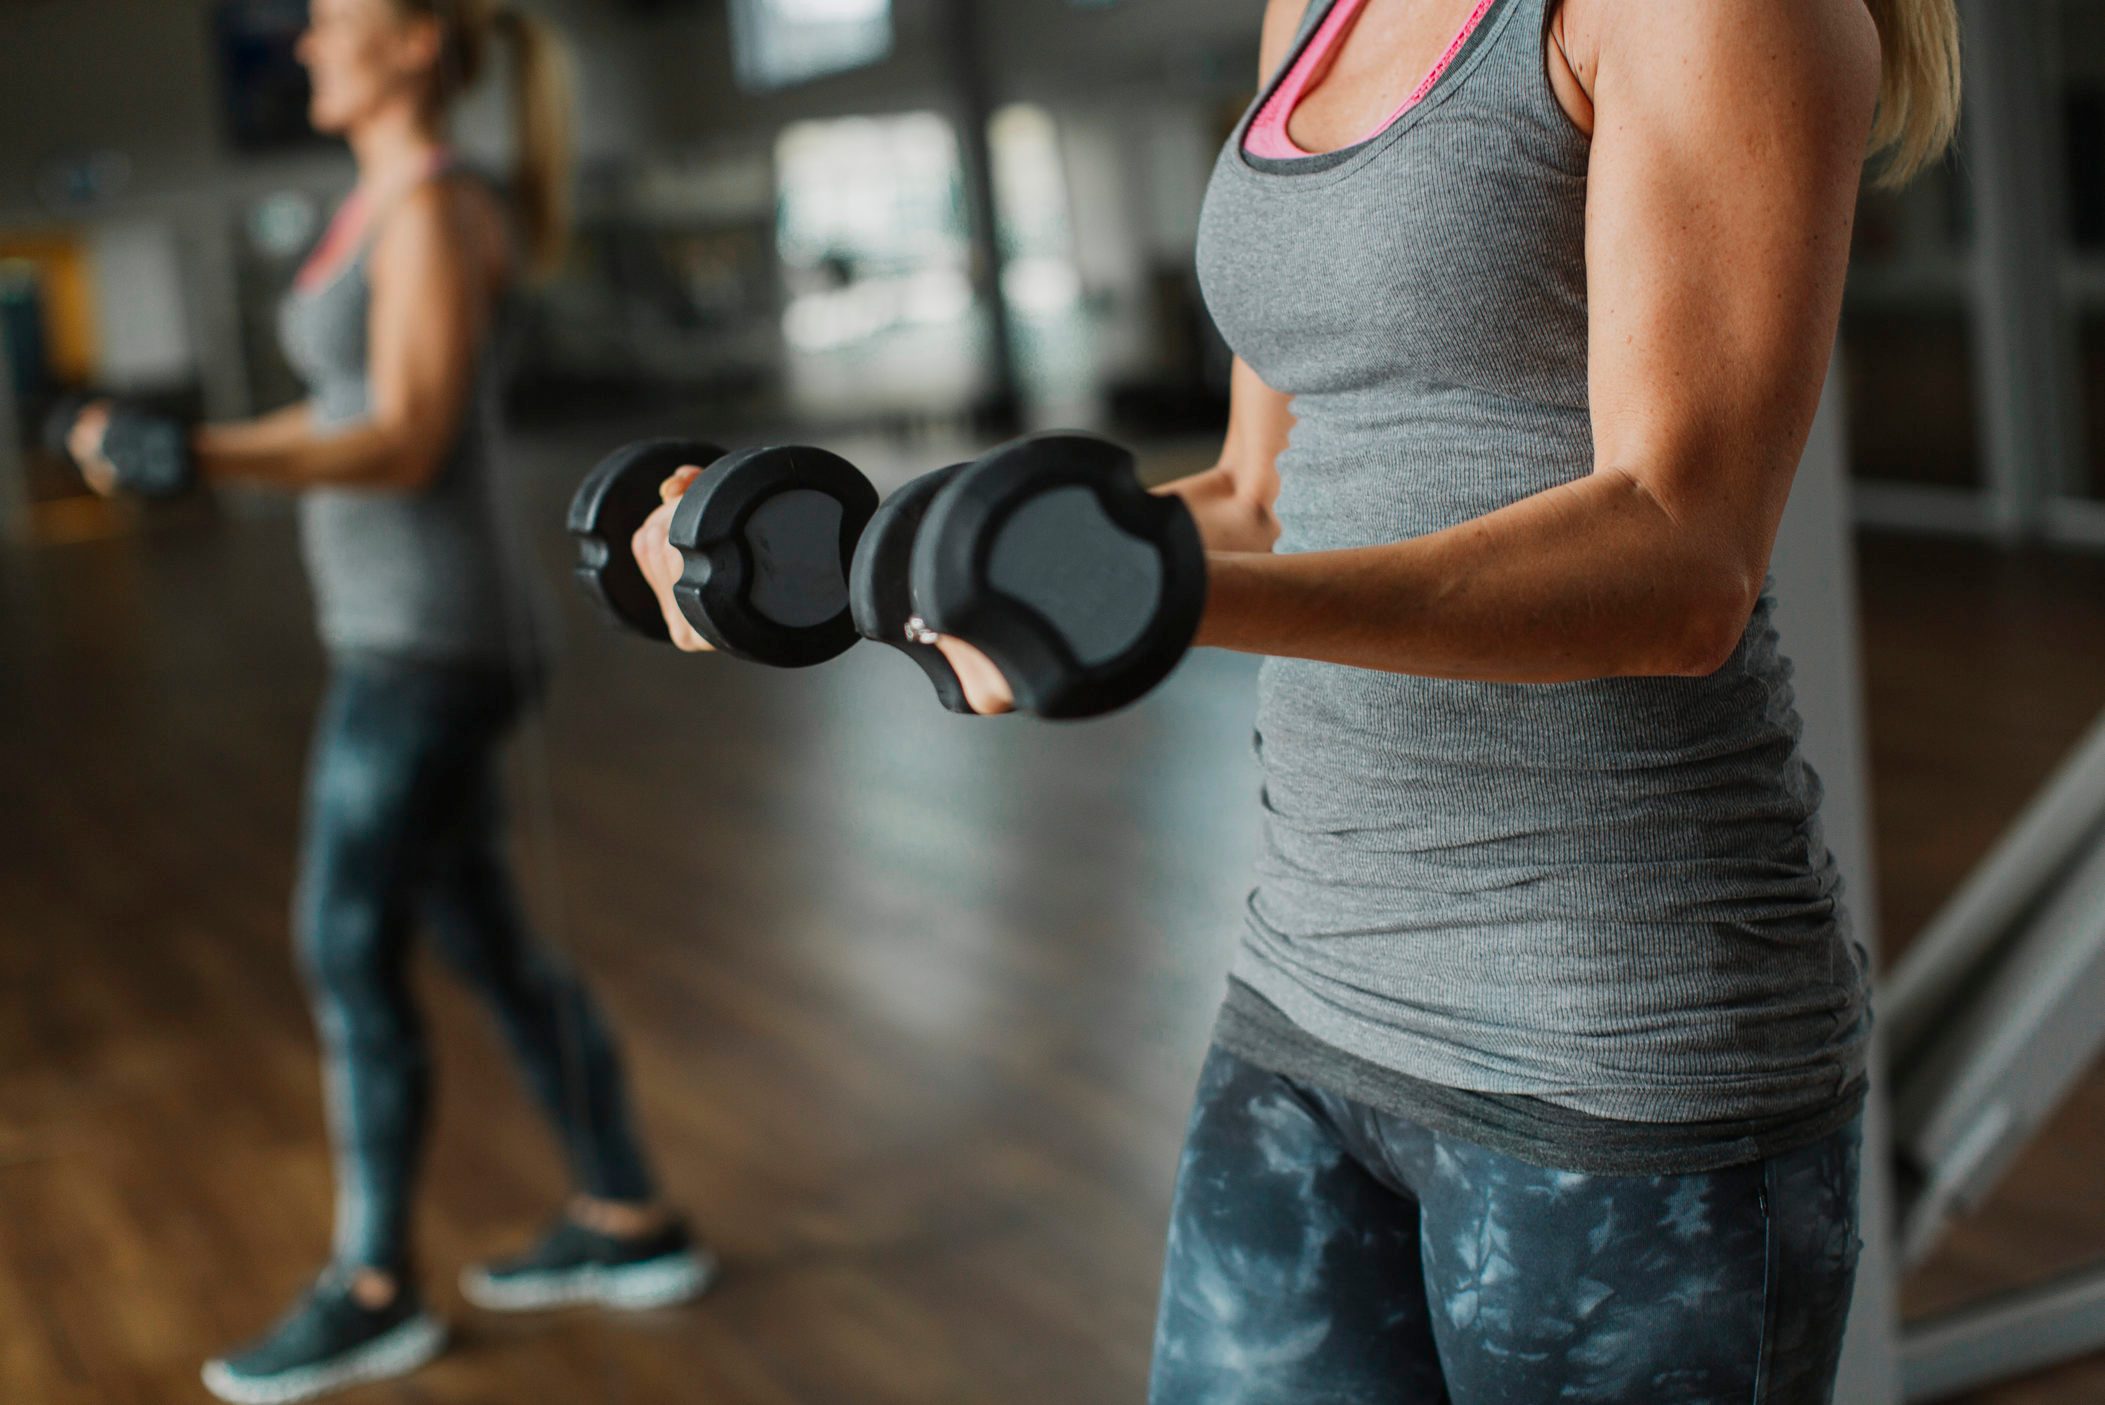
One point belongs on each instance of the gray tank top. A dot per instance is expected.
(1612, 896)
(431, 573)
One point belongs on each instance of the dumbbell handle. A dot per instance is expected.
(878, 587)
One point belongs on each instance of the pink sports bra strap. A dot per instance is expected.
(359, 217)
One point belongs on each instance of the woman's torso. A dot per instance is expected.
(1613, 895)
(430, 572)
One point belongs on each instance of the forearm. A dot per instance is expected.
(275, 430)
(1592, 579)
(291, 453)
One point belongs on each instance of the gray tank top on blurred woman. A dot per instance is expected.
(429, 573)
(1594, 900)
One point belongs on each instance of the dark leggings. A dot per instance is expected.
(404, 823)
(1321, 1252)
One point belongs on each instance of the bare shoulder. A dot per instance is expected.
(426, 219)
(455, 220)
(1282, 20)
(1790, 51)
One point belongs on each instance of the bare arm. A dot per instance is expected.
(430, 284)
(1233, 499)
(1727, 152)
(279, 429)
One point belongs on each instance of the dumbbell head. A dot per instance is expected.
(605, 513)
(1049, 557)
(768, 536)
(879, 594)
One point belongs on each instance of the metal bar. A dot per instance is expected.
(2005, 1336)
(2016, 873)
(1996, 1073)
(1904, 507)
(2077, 522)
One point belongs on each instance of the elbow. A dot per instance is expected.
(1255, 524)
(1713, 622)
(1248, 488)
(410, 459)
(417, 471)
(1260, 525)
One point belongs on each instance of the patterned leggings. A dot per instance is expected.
(404, 829)
(1321, 1252)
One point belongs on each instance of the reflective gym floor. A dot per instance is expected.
(914, 1002)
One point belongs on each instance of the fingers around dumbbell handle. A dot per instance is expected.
(1049, 557)
(769, 537)
(879, 594)
(58, 426)
(151, 452)
(606, 512)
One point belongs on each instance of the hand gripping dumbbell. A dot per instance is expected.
(778, 545)
(767, 536)
(150, 451)
(1045, 554)
(1049, 557)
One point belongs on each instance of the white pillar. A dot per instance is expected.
(212, 256)
(1816, 617)
(2024, 343)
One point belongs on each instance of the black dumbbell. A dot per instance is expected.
(150, 451)
(1048, 556)
(879, 591)
(767, 536)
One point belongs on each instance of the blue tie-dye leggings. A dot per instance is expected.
(404, 822)
(1321, 1252)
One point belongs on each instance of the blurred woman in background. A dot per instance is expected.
(394, 324)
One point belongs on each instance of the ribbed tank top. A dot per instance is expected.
(430, 573)
(1601, 903)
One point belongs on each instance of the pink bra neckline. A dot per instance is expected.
(347, 231)
(1267, 136)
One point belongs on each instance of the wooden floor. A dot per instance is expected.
(914, 1003)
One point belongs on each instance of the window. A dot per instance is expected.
(870, 226)
(776, 43)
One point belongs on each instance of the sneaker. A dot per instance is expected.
(573, 1264)
(327, 1342)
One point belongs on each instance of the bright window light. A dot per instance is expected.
(776, 43)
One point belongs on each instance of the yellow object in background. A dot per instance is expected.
(66, 281)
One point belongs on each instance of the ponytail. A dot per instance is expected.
(1918, 91)
(543, 106)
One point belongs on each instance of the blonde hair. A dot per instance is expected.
(1918, 90)
(543, 107)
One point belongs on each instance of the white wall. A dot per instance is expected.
(143, 327)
